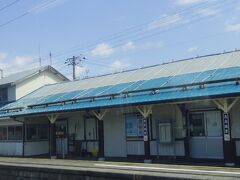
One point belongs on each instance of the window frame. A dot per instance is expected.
(36, 126)
(7, 133)
(139, 135)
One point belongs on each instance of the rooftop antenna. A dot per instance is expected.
(39, 57)
(87, 72)
(50, 58)
(1, 71)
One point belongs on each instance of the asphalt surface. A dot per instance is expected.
(155, 170)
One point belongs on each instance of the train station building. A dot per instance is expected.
(187, 109)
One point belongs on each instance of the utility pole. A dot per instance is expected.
(73, 61)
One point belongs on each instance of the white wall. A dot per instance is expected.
(9, 148)
(36, 148)
(168, 114)
(114, 134)
(35, 82)
(235, 125)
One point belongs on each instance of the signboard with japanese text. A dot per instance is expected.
(145, 129)
(226, 127)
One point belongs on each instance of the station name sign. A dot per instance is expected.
(226, 127)
(145, 129)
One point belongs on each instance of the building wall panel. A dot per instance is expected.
(36, 148)
(11, 148)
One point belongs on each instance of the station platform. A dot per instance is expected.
(51, 169)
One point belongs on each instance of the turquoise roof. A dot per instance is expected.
(217, 83)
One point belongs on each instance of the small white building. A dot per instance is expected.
(13, 88)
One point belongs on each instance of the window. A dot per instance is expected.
(15, 132)
(134, 125)
(3, 133)
(3, 94)
(11, 132)
(37, 132)
(197, 125)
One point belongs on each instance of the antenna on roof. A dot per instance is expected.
(50, 58)
(39, 57)
(1, 71)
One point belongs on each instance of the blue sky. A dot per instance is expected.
(114, 35)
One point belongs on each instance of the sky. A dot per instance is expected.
(113, 35)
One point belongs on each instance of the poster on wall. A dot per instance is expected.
(132, 127)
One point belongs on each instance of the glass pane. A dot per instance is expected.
(197, 126)
(43, 132)
(3, 133)
(14, 132)
(214, 126)
(31, 133)
(37, 132)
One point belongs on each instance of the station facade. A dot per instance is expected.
(187, 109)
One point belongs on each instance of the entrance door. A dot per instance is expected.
(206, 139)
(91, 136)
(61, 138)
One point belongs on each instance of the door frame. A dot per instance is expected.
(67, 132)
(205, 126)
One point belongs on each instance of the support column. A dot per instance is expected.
(100, 121)
(146, 111)
(101, 140)
(52, 136)
(185, 120)
(228, 144)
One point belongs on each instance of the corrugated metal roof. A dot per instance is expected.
(110, 90)
(21, 76)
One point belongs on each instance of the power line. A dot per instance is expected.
(141, 38)
(27, 13)
(9, 5)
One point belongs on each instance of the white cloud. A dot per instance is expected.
(232, 27)
(128, 46)
(150, 45)
(81, 70)
(187, 2)
(165, 21)
(192, 49)
(2, 56)
(22, 60)
(119, 64)
(102, 49)
(16, 64)
(207, 12)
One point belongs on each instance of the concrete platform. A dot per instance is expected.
(33, 168)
